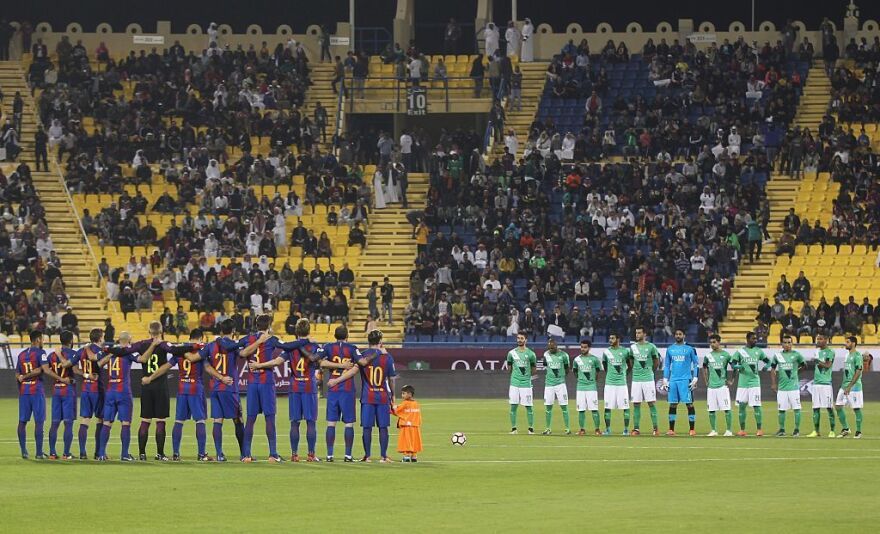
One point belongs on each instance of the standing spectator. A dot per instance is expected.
(387, 301)
(477, 73)
(69, 321)
(41, 142)
(324, 41)
(528, 45)
(755, 236)
(451, 37)
(6, 32)
(320, 116)
(338, 75)
(512, 36)
(373, 298)
(515, 102)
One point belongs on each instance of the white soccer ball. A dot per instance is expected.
(459, 439)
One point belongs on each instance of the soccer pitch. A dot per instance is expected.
(495, 483)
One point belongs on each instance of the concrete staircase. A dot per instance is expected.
(390, 251)
(321, 91)
(814, 101)
(79, 268)
(532, 87)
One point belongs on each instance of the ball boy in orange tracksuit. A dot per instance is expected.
(409, 423)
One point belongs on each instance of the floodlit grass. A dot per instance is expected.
(494, 483)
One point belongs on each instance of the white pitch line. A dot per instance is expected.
(643, 460)
(732, 448)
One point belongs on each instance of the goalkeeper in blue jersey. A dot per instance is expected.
(680, 368)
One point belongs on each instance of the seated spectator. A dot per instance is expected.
(801, 288)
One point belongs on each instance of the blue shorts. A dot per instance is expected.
(303, 406)
(225, 405)
(680, 392)
(261, 399)
(91, 405)
(341, 405)
(29, 405)
(191, 407)
(63, 407)
(375, 415)
(116, 403)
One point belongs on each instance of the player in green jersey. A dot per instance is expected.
(522, 363)
(556, 366)
(646, 359)
(850, 392)
(784, 380)
(746, 361)
(718, 385)
(823, 396)
(616, 361)
(586, 368)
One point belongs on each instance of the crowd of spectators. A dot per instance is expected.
(33, 293)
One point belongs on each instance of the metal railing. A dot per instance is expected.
(340, 112)
(359, 89)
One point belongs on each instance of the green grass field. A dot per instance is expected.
(495, 483)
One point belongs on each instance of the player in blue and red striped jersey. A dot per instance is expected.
(31, 397)
(222, 365)
(260, 348)
(303, 398)
(57, 366)
(117, 399)
(377, 369)
(340, 356)
(91, 402)
(190, 392)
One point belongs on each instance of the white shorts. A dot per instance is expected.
(644, 391)
(823, 396)
(616, 397)
(718, 399)
(521, 396)
(788, 400)
(750, 396)
(556, 393)
(588, 400)
(853, 400)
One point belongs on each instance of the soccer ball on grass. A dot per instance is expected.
(459, 439)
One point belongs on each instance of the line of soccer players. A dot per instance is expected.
(106, 390)
(681, 369)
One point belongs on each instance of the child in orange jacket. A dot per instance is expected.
(409, 423)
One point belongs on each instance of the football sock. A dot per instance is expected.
(83, 436)
(728, 418)
(712, 421)
(105, 437)
(637, 415)
(201, 437)
(741, 412)
(22, 436)
(759, 416)
(673, 408)
(816, 414)
(125, 436)
(626, 419)
(781, 420)
(176, 436)
(692, 416)
(383, 441)
(311, 436)
(160, 437)
(530, 416)
(330, 437)
(53, 436)
(239, 434)
(607, 419)
(797, 420)
(367, 438)
(858, 412)
(294, 437)
(99, 429)
(513, 415)
(653, 410)
(270, 435)
(842, 416)
(565, 418)
(68, 436)
(218, 438)
(349, 440)
(143, 436)
(249, 435)
(596, 418)
(831, 418)
(548, 415)
(582, 419)
(38, 437)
